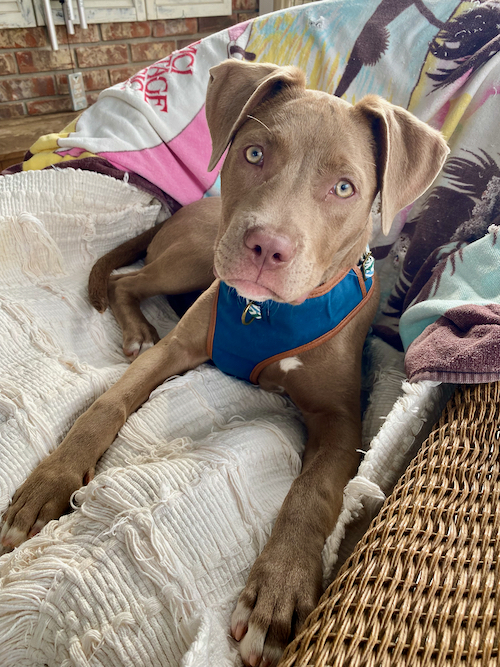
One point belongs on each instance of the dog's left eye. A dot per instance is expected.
(254, 154)
(343, 189)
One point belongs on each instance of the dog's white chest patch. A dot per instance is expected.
(290, 364)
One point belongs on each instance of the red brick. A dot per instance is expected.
(244, 5)
(247, 16)
(7, 64)
(175, 27)
(43, 60)
(184, 43)
(119, 74)
(92, 98)
(125, 30)
(92, 56)
(151, 51)
(11, 111)
(215, 23)
(80, 36)
(22, 89)
(95, 79)
(21, 38)
(42, 107)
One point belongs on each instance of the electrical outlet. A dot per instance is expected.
(77, 90)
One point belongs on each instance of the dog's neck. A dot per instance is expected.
(353, 255)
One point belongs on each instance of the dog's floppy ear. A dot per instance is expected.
(410, 155)
(236, 87)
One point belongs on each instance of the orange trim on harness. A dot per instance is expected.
(318, 341)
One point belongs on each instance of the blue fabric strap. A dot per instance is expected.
(279, 328)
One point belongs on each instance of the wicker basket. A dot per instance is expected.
(423, 586)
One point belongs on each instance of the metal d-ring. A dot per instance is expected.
(244, 315)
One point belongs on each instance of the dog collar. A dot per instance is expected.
(246, 336)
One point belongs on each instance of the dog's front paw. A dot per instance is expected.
(139, 337)
(282, 590)
(44, 496)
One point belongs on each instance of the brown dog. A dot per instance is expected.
(298, 184)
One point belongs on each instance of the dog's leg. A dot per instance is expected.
(124, 300)
(286, 580)
(179, 260)
(170, 273)
(46, 493)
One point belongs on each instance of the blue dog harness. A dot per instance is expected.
(246, 336)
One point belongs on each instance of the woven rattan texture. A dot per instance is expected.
(423, 586)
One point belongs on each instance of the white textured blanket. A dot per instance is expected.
(147, 570)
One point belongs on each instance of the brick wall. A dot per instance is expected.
(33, 78)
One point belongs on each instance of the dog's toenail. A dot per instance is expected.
(239, 631)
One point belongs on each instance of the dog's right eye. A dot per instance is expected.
(254, 154)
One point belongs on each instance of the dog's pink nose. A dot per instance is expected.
(269, 251)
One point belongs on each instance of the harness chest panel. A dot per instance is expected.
(280, 330)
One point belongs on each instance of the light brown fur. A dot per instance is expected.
(310, 142)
